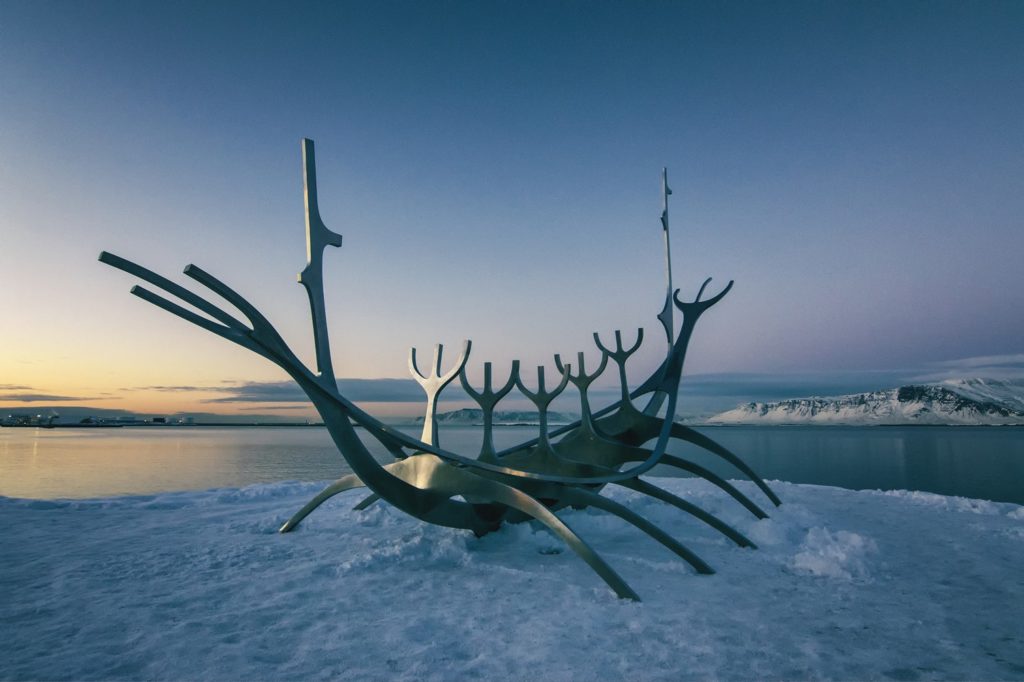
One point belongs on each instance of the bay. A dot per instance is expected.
(978, 462)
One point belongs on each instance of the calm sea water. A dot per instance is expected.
(982, 462)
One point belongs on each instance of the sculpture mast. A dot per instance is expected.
(666, 315)
(318, 237)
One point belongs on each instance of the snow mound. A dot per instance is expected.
(834, 555)
(1005, 392)
(199, 585)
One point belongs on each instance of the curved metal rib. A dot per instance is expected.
(700, 440)
(172, 288)
(366, 502)
(712, 477)
(517, 499)
(580, 496)
(642, 486)
(344, 483)
(209, 325)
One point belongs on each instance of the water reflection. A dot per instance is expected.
(50, 463)
(982, 462)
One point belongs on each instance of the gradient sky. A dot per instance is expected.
(494, 167)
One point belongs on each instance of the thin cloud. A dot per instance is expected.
(362, 390)
(698, 393)
(175, 389)
(1010, 360)
(790, 384)
(358, 390)
(42, 397)
(261, 408)
(14, 387)
(1010, 366)
(261, 392)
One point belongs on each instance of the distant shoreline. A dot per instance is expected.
(290, 425)
(159, 426)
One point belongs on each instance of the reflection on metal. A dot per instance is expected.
(567, 466)
(318, 238)
(433, 383)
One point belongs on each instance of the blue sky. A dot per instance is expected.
(857, 168)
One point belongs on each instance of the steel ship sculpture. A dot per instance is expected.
(567, 466)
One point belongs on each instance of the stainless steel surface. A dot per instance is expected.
(487, 399)
(433, 383)
(318, 238)
(667, 310)
(427, 481)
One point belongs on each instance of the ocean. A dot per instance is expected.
(976, 462)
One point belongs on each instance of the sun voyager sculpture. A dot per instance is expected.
(563, 467)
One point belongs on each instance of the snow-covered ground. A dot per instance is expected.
(845, 585)
(954, 402)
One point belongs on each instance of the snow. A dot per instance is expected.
(1006, 392)
(952, 402)
(198, 585)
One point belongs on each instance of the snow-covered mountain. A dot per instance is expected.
(475, 417)
(956, 401)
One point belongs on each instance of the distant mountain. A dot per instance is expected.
(959, 401)
(474, 417)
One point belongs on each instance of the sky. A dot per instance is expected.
(495, 170)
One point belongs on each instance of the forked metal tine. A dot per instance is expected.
(434, 383)
(435, 378)
(414, 368)
(488, 396)
(700, 292)
(487, 399)
(436, 366)
(620, 355)
(558, 363)
(697, 306)
(582, 382)
(542, 398)
(460, 362)
(581, 379)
